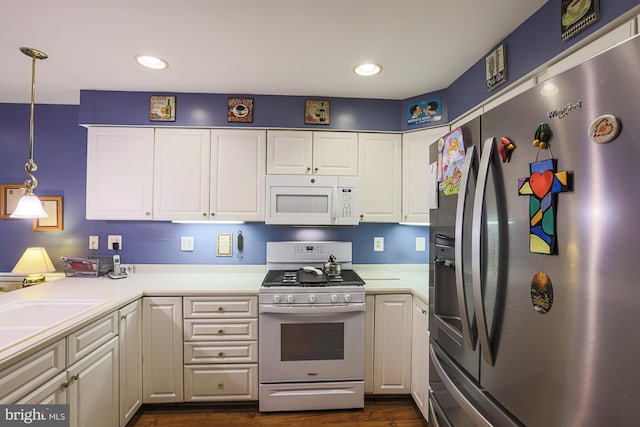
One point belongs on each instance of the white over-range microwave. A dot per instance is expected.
(311, 200)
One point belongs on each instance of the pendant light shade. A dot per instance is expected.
(29, 206)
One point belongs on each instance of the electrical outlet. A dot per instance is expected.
(421, 244)
(111, 239)
(94, 243)
(378, 244)
(187, 243)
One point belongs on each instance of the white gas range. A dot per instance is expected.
(311, 328)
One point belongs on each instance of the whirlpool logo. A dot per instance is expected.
(561, 113)
(34, 415)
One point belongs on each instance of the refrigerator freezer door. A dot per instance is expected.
(577, 364)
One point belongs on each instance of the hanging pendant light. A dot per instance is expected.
(29, 206)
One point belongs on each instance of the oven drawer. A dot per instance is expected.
(221, 352)
(220, 330)
(205, 383)
(220, 307)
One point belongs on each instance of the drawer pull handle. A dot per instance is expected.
(220, 331)
(220, 308)
(221, 354)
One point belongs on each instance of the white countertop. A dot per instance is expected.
(167, 280)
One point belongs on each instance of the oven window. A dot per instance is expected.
(312, 341)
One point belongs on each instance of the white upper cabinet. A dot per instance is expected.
(312, 153)
(289, 152)
(237, 174)
(181, 181)
(415, 173)
(380, 167)
(119, 173)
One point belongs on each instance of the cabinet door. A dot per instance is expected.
(130, 360)
(420, 356)
(237, 174)
(181, 174)
(119, 173)
(415, 173)
(369, 329)
(53, 392)
(380, 172)
(392, 347)
(162, 349)
(93, 388)
(335, 153)
(289, 152)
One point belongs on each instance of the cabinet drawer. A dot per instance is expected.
(87, 339)
(203, 383)
(53, 392)
(221, 352)
(24, 376)
(220, 307)
(216, 330)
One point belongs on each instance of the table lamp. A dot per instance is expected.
(34, 262)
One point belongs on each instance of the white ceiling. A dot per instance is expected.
(258, 47)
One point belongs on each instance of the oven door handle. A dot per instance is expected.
(311, 309)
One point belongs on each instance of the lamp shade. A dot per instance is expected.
(29, 206)
(34, 260)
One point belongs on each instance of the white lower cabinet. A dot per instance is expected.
(220, 348)
(420, 356)
(392, 346)
(162, 376)
(388, 344)
(130, 360)
(93, 388)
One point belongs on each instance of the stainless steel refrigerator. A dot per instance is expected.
(534, 291)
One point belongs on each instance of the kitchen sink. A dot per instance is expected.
(21, 319)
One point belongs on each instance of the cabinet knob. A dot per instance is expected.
(204, 214)
(220, 308)
(123, 317)
(220, 331)
(213, 214)
(315, 169)
(221, 354)
(221, 384)
(361, 216)
(147, 213)
(308, 169)
(423, 311)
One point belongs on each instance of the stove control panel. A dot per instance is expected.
(291, 297)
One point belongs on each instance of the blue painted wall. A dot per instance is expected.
(60, 152)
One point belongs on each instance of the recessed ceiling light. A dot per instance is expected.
(152, 62)
(367, 70)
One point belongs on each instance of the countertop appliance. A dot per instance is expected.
(311, 200)
(519, 337)
(311, 328)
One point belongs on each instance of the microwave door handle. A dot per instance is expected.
(470, 163)
(488, 151)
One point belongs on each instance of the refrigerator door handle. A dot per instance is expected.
(475, 415)
(435, 413)
(488, 151)
(470, 162)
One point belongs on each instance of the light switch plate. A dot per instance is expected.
(421, 244)
(224, 244)
(94, 243)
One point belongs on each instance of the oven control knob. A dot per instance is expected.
(334, 298)
(347, 298)
(276, 299)
(289, 299)
(312, 299)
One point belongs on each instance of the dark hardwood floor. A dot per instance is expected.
(378, 412)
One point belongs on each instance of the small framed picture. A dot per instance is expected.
(162, 109)
(240, 110)
(496, 67)
(316, 112)
(52, 205)
(10, 194)
(576, 15)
